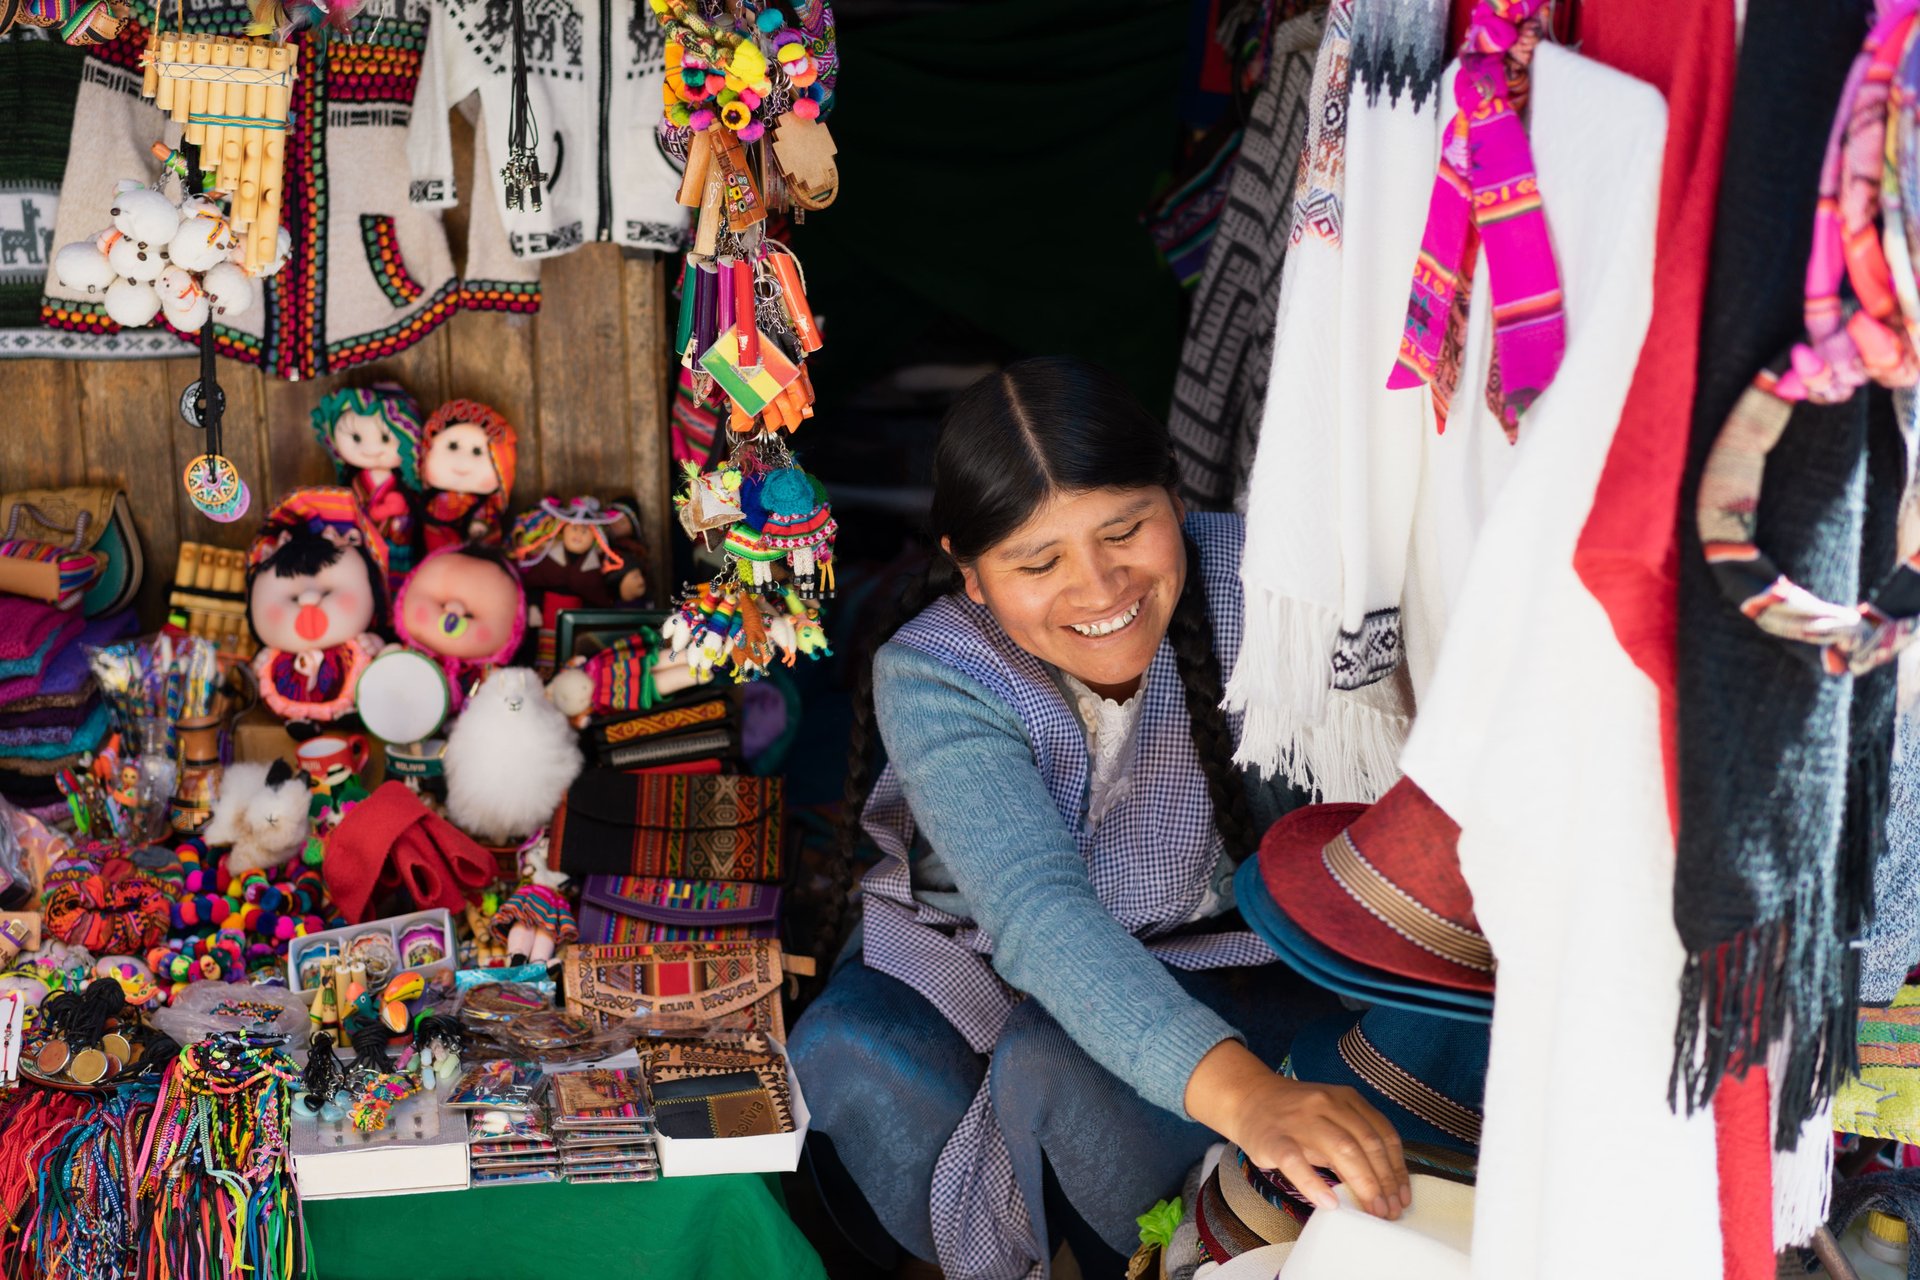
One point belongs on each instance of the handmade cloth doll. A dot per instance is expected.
(373, 436)
(535, 922)
(463, 607)
(316, 589)
(466, 467)
(573, 554)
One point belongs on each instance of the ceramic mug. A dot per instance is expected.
(330, 750)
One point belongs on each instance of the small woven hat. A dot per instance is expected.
(1326, 967)
(1264, 1200)
(1223, 1234)
(1381, 884)
(1426, 1075)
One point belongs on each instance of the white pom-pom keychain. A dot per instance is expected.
(229, 289)
(132, 303)
(184, 301)
(204, 239)
(82, 266)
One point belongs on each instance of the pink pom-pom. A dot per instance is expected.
(702, 120)
(752, 132)
(806, 108)
(752, 100)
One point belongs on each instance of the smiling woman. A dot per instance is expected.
(1061, 818)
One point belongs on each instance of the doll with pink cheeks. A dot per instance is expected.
(316, 589)
(373, 435)
(463, 607)
(466, 464)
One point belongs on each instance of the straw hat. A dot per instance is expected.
(1431, 1241)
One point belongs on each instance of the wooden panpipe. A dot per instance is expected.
(231, 97)
(209, 597)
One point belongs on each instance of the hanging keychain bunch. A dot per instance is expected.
(1862, 319)
(746, 92)
(214, 1180)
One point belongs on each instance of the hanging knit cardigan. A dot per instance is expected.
(1767, 895)
(370, 274)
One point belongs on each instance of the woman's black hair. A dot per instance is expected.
(1036, 428)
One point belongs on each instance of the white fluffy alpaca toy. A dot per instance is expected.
(262, 812)
(510, 758)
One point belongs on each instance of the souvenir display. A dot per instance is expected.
(466, 465)
(464, 608)
(373, 436)
(317, 588)
(746, 97)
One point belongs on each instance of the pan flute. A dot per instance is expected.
(230, 97)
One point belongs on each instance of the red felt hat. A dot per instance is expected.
(1381, 885)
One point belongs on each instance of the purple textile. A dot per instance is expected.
(65, 672)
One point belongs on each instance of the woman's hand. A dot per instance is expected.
(1295, 1127)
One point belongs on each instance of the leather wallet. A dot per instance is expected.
(735, 1105)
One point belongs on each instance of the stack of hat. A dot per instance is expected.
(1368, 901)
(1425, 1074)
(51, 711)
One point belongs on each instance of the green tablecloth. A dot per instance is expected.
(673, 1229)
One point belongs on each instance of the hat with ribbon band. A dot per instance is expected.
(1328, 968)
(1426, 1075)
(1381, 884)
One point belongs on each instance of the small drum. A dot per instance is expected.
(403, 696)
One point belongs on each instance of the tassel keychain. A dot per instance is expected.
(522, 173)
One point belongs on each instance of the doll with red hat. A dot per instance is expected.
(316, 590)
(466, 467)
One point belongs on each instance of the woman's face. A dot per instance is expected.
(1088, 583)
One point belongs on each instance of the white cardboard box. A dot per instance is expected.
(768, 1153)
(422, 1149)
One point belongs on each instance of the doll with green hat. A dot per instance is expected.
(373, 436)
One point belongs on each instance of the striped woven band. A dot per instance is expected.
(1388, 1077)
(1400, 912)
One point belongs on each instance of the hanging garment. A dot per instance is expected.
(1336, 478)
(594, 85)
(1151, 861)
(1220, 389)
(369, 276)
(1541, 739)
(39, 77)
(1764, 908)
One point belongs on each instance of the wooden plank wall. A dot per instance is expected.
(584, 382)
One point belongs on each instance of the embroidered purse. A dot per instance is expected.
(702, 827)
(734, 983)
(621, 909)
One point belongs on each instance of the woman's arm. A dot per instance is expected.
(969, 776)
